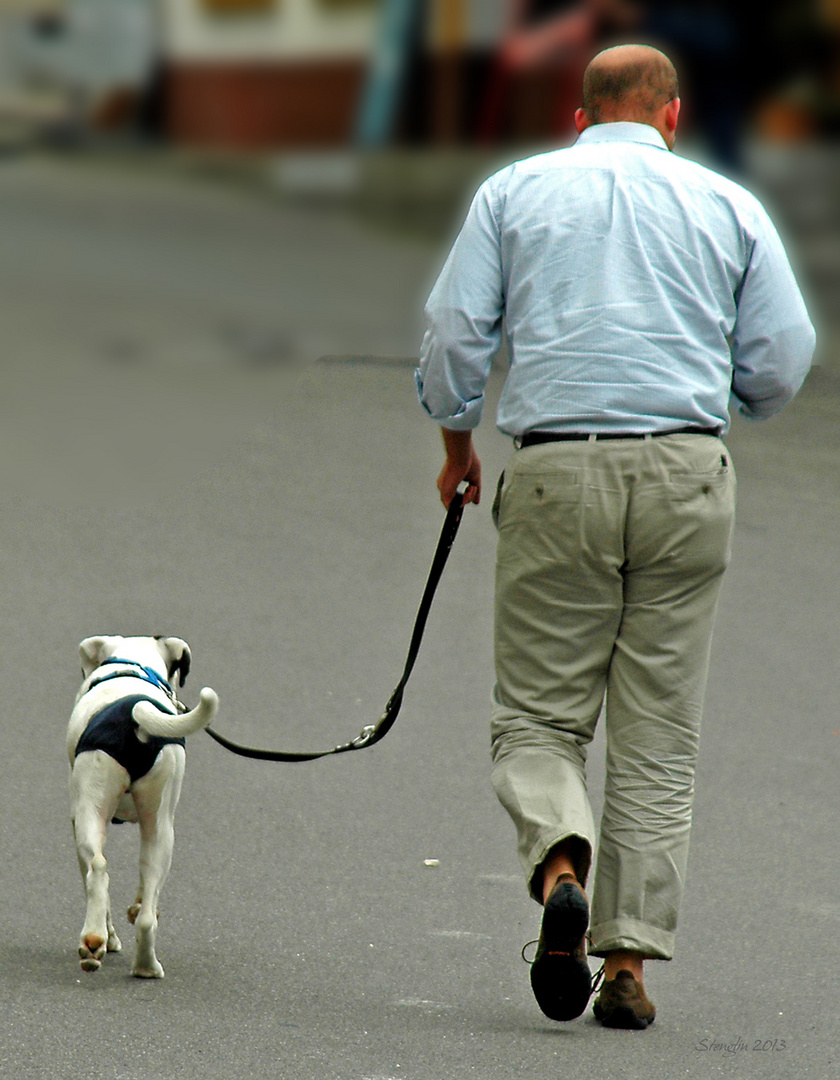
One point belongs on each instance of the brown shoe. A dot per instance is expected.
(560, 975)
(622, 1003)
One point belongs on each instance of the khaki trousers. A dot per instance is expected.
(609, 564)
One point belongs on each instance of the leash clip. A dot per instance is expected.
(364, 736)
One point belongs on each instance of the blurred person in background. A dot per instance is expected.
(722, 51)
(638, 291)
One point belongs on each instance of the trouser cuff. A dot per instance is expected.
(632, 935)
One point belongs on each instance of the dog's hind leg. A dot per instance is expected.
(155, 797)
(96, 784)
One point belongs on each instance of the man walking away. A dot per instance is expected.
(639, 290)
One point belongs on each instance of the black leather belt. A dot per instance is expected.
(534, 438)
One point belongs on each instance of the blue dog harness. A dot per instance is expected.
(147, 674)
(113, 730)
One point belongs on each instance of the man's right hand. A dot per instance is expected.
(462, 465)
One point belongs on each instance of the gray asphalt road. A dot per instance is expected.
(176, 458)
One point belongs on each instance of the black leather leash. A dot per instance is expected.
(374, 732)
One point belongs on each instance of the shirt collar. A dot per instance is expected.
(623, 131)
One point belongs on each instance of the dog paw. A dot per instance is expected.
(91, 951)
(148, 971)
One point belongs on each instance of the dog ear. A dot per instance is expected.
(93, 651)
(177, 655)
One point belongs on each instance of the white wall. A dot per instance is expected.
(305, 28)
(293, 29)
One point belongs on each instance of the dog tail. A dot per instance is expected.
(168, 726)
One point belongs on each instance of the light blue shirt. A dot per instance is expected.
(638, 290)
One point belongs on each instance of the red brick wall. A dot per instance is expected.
(257, 106)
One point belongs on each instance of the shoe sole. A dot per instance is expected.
(560, 980)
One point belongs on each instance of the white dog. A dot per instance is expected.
(125, 741)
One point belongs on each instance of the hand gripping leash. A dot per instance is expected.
(371, 734)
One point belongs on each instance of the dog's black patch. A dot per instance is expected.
(113, 730)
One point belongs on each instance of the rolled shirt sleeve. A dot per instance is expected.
(773, 339)
(464, 321)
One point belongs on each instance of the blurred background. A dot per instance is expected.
(395, 109)
(270, 74)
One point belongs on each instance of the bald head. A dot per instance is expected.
(628, 82)
(636, 83)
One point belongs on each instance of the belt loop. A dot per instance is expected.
(591, 438)
(517, 442)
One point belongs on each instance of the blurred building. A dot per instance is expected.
(265, 73)
(293, 73)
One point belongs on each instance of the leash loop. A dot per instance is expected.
(372, 733)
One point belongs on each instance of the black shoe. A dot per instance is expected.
(622, 1003)
(560, 975)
